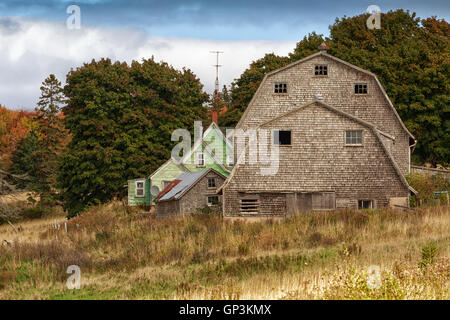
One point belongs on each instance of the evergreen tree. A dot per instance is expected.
(23, 161)
(51, 133)
(121, 119)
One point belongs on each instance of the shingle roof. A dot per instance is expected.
(186, 180)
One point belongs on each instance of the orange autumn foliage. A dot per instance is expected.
(14, 126)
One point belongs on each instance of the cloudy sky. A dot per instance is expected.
(35, 41)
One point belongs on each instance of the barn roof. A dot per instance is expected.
(324, 54)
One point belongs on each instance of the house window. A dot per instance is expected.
(249, 206)
(280, 88)
(361, 88)
(200, 159)
(213, 200)
(139, 190)
(365, 204)
(353, 137)
(321, 70)
(211, 182)
(230, 160)
(166, 184)
(282, 138)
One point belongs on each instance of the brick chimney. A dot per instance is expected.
(215, 117)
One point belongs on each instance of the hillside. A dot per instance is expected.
(130, 255)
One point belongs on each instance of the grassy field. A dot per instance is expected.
(324, 255)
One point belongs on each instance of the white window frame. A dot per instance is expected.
(230, 160)
(136, 188)
(199, 163)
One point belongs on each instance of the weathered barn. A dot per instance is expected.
(341, 143)
(188, 192)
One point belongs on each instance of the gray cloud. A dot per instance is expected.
(39, 48)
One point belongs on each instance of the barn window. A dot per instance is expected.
(249, 206)
(321, 70)
(365, 204)
(139, 189)
(200, 159)
(282, 137)
(361, 88)
(213, 200)
(280, 88)
(353, 137)
(211, 182)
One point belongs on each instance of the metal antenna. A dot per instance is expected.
(217, 65)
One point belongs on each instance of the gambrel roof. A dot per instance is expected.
(339, 61)
(369, 125)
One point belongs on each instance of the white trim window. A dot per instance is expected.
(139, 188)
(200, 159)
(230, 160)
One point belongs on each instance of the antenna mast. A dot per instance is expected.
(217, 66)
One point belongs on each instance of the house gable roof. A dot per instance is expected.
(339, 61)
(212, 126)
(183, 183)
(202, 143)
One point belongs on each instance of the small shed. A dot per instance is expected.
(190, 191)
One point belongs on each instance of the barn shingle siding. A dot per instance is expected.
(318, 169)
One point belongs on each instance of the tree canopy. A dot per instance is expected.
(121, 118)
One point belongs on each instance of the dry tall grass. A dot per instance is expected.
(313, 256)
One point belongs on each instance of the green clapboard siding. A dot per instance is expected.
(135, 201)
(169, 171)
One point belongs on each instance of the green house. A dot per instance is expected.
(214, 151)
(139, 192)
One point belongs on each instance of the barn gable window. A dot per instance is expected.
(139, 189)
(249, 206)
(213, 200)
(321, 70)
(280, 87)
(361, 88)
(353, 137)
(211, 182)
(282, 137)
